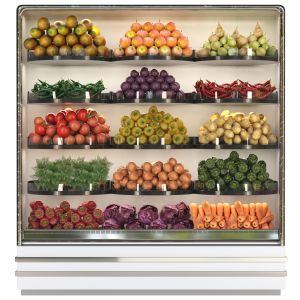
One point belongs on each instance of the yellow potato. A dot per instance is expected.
(263, 140)
(245, 123)
(253, 142)
(256, 125)
(236, 129)
(244, 135)
(227, 141)
(229, 134)
(237, 139)
(220, 132)
(256, 134)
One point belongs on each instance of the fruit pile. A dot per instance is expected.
(161, 176)
(125, 216)
(153, 39)
(85, 216)
(232, 216)
(151, 84)
(69, 38)
(234, 173)
(69, 127)
(211, 90)
(235, 128)
(220, 44)
(151, 128)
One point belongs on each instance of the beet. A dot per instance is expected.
(140, 79)
(145, 86)
(154, 73)
(135, 86)
(170, 79)
(134, 73)
(144, 72)
(125, 86)
(160, 79)
(155, 86)
(130, 79)
(150, 79)
(164, 86)
(163, 73)
(129, 94)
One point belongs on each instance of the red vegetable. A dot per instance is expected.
(63, 131)
(71, 115)
(40, 129)
(82, 115)
(50, 118)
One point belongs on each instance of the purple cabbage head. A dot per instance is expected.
(147, 214)
(170, 79)
(160, 79)
(169, 214)
(134, 73)
(113, 212)
(154, 73)
(183, 211)
(130, 79)
(158, 224)
(150, 79)
(184, 224)
(125, 86)
(111, 224)
(135, 86)
(164, 86)
(140, 79)
(145, 87)
(155, 86)
(144, 72)
(128, 212)
(163, 73)
(135, 225)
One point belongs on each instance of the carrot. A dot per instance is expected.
(213, 209)
(267, 218)
(200, 211)
(213, 224)
(226, 208)
(252, 210)
(239, 208)
(255, 224)
(206, 225)
(222, 223)
(217, 227)
(200, 218)
(240, 225)
(233, 211)
(259, 211)
(246, 210)
(207, 211)
(265, 226)
(264, 208)
(199, 225)
(271, 225)
(232, 221)
(247, 224)
(220, 212)
(194, 211)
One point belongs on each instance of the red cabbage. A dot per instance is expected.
(147, 214)
(135, 225)
(183, 211)
(184, 224)
(111, 224)
(134, 73)
(154, 73)
(158, 224)
(128, 212)
(169, 214)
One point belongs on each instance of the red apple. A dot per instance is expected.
(170, 26)
(148, 41)
(165, 33)
(153, 50)
(38, 120)
(102, 138)
(51, 130)
(177, 51)
(79, 139)
(165, 50)
(69, 140)
(137, 41)
(187, 52)
(148, 26)
(47, 140)
(90, 139)
(176, 34)
(130, 34)
(183, 42)
(130, 51)
(136, 27)
(153, 34)
(101, 119)
(104, 128)
(118, 52)
(142, 33)
(160, 41)
(35, 138)
(142, 50)
(159, 26)
(125, 42)
(171, 41)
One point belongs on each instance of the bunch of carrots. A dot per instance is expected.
(231, 216)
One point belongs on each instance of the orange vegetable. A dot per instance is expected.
(267, 218)
(213, 224)
(259, 211)
(200, 218)
(255, 224)
(200, 211)
(207, 211)
(265, 208)
(226, 208)
(194, 210)
(247, 224)
(252, 209)
(271, 225)
(199, 225)
(233, 211)
(206, 225)
(265, 226)
(240, 225)
(232, 221)
(222, 223)
(239, 209)
(220, 212)
(246, 210)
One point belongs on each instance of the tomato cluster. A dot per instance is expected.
(83, 126)
(86, 216)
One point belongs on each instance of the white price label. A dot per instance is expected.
(216, 95)
(90, 140)
(60, 187)
(218, 187)
(164, 187)
(217, 141)
(91, 186)
(164, 95)
(137, 141)
(249, 51)
(137, 95)
(246, 187)
(87, 95)
(249, 94)
(54, 95)
(137, 187)
(60, 141)
(162, 141)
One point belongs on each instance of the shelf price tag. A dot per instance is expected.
(162, 141)
(54, 95)
(249, 95)
(137, 95)
(60, 141)
(249, 52)
(137, 187)
(246, 187)
(218, 187)
(164, 95)
(60, 187)
(87, 95)
(90, 140)
(217, 141)
(164, 187)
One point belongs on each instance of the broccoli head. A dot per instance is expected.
(234, 185)
(256, 185)
(210, 184)
(210, 163)
(262, 176)
(201, 164)
(221, 183)
(262, 165)
(223, 172)
(234, 156)
(203, 176)
(220, 164)
(255, 168)
(215, 173)
(239, 176)
(252, 159)
(242, 167)
(227, 178)
(251, 177)
(270, 185)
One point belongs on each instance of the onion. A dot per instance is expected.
(145, 86)
(172, 185)
(179, 183)
(118, 176)
(163, 176)
(154, 181)
(167, 167)
(150, 79)
(170, 79)
(147, 166)
(131, 166)
(172, 161)
(185, 185)
(184, 178)
(134, 73)
(179, 168)
(135, 86)
(144, 72)
(140, 181)
(140, 79)
(155, 86)
(131, 185)
(124, 181)
(130, 79)
(159, 185)
(154, 73)
(117, 185)
(125, 86)
(156, 169)
(147, 185)
(160, 79)
(133, 176)
(163, 73)
(147, 176)
(173, 176)
(123, 171)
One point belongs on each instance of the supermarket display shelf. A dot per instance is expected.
(193, 144)
(188, 98)
(109, 189)
(192, 235)
(33, 189)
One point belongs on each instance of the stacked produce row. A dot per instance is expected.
(153, 39)
(253, 216)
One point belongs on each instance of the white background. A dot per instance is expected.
(8, 129)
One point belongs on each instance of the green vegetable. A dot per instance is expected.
(215, 173)
(233, 156)
(203, 176)
(242, 167)
(239, 176)
(227, 178)
(263, 176)
(256, 185)
(262, 165)
(232, 170)
(222, 184)
(223, 172)
(220, 163)
(229, 164)
(210, 184)
(270, 185)
(255, 168)
(210, 163)
(202, 164)
(234, 185)
(252, 159)
(251, 177)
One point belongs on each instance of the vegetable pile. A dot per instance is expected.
(235, 128)
(74, 174)
(69, 38)
(238, 88)
(151, 128)
(85, 216)
(153, 39)
(151, 84)
(169, 176)
(220, 44)
(232, 216)
(69, 127)
(233, 173)
(125, 217)
(66, 89)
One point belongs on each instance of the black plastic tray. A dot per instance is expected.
(237, 57)
(33, 189)
(250, 192)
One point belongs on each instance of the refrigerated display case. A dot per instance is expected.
(209, 218)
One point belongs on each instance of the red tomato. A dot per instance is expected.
(59, 116)
(92, 113)
(101, 119)
(85, 129)
(97, 129)
(63, 131)
(102, 138)
(79, 139)
(40, 129)
(69, 140)
(74, 125)
(35, 138)
(47, 140)
(71, 115)
(51, 130)
(104, 128)
(92, 122)
(61, 122)
(82, 115)
(90, 139)
(50, 118)
(38, 121)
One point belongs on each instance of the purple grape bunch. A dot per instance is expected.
(150, 81)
